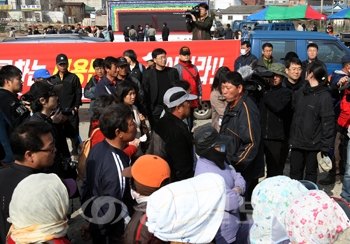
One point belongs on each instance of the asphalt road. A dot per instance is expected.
(77, 220)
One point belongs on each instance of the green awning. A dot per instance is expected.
(88, 8)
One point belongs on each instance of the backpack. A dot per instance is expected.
(85, 150)
(4, 140)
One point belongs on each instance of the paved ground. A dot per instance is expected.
(77, 220)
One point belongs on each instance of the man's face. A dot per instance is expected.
(99, 71)
(150, 63)
(113, 71)
(231, 92)
(202, 12)
(294, 71)
(312, 53)
(131, 133)
(146, 26)
(52, 103)
(247, 49)
(267, 53)
(44, 159)
(276, 80)
(15, 85)
(186, 109)
(62, 67)
(160, 60)
(185, 58)
(123, 70)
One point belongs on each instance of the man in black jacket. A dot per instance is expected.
(165, 32)
(312, 52)
(69, 96)
(34, 149)
(246, 58)
(156, 82)
(44, 103)
(171, 138)
(241, 121)
(11, 84)
(273, 105)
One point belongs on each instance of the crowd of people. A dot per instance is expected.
(149, 176)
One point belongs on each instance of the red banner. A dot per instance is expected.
(208, 56)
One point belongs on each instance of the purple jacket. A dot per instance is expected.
(230, 222)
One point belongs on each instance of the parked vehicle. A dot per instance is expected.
(277, 26)
(330, 49)
(52, 38)
(238, 24)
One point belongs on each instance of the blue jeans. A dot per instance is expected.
(345, 193)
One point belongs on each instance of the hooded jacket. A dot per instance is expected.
(313, 121)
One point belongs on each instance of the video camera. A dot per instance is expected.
(194, 11)
(20, 108)
(69, 163)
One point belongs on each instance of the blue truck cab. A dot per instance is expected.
(330, 49)
(277, 26)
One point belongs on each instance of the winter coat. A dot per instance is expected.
(189, 72)
(260, 66)
(200, 26)
(245, 153)
(244, 60)
(228, 33)
(230, 223)
(313, 121)
(218, 106)
(177, 146)
(273, 106)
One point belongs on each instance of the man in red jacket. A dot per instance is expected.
(189, 72)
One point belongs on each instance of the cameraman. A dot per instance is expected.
(11, 83)
(44, 106)
(200, 25)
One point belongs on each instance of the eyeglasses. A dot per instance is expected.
(51, 150)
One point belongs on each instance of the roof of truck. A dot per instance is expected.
(292, 35)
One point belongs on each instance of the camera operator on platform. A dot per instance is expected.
(44, 106)
(200, 25)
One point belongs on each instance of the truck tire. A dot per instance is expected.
(204, 112)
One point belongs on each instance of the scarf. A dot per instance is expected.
(314, 217)
(38, 209)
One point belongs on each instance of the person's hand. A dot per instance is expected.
(135, 142)
(76, 109)
(85, 233)
(27, 105)
(237, 189)
(193, 17)
(324, 154)
(57, 117)
(64, 118)
(142, 118)
(342, 81)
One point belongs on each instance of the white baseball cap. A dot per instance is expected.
(177, 95)
(148, 57)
